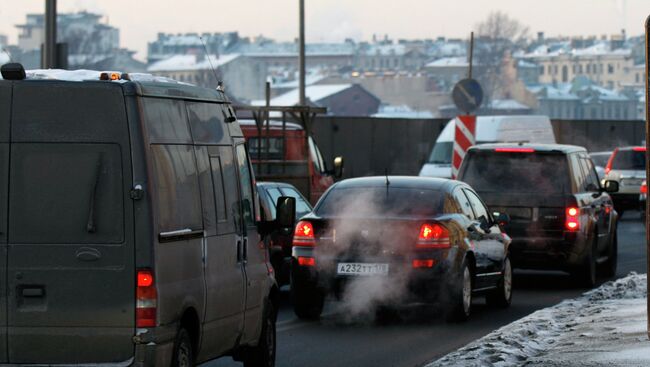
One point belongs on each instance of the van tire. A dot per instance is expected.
(502, 295)
(308, 301)
(183, 350)
(263, 355)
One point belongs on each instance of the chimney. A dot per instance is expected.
(540, 37)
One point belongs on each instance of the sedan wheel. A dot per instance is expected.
(502, 295)
(460, 303)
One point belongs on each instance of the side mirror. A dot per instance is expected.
(611, 186)
(338, 167)
(502, 219)
(485, 225)
(285, 212)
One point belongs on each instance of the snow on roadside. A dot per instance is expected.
(595, 316)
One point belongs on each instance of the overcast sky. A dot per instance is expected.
(335, 20)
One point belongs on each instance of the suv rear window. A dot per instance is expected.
(488, 171)
(629, 160)
(381, 202)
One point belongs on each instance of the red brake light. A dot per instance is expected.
(146, 300)
(644, 188)
(639, 149)
(423, 263)
(608, 168)
(304, 234)
(306, 261)
(514, 150)
(433, 236)
(572, 219)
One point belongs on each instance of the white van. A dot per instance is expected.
(489, 129)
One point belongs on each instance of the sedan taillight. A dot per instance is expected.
(433, 236)
(304, 234)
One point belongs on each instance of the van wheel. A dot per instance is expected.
(308, 301)
(502, 296)
(460, 304)
(610, 266)
(587, 272)
(263, 355)
(183, 351)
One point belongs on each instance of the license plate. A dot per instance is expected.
(361, 269)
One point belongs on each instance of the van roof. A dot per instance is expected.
(537, 128)
(274, 125)
(138, 83)
(562, 148)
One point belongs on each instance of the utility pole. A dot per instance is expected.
(49, 59)
(301, 56)
(647, 144)
(471, 55)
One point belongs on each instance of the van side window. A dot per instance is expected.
(204, 172)
(219, 193)
(177, 199)
(230, 190)
(66, 193)
(206, 123)
(246, 181)
(166, 121)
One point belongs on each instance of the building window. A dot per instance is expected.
(554, 69)
(541, 71)
(610, 69)
(565, 74)
(549, 69)
(580, 68)
(588, 68)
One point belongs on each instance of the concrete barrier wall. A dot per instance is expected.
(372, 146)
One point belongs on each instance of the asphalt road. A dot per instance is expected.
(421, 336)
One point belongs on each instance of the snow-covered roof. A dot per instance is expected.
(191, 62)
(285, 49)
(601, 48)
(313, 92)
(526, 64)
(402, 112)
(386, 50)
(507, 104)
(449, 61)
(310, 79)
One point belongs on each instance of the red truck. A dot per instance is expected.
(284, 153)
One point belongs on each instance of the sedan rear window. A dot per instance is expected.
(381, 202)
(629, 160)
(517, 172)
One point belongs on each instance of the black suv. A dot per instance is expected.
(560, 216)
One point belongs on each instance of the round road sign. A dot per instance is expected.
(467, 95)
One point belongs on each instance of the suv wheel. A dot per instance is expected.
(460, 305)
(183, 351)
(263, 355)
(610, 266)
(502, 296)
(587, 273)
(308, 301)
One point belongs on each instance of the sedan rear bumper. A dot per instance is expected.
(549, 253)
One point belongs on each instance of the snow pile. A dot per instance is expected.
(609, 319)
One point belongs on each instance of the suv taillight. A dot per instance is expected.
(608, 167)
(304, 234)
(644, 188)
(572, 222)
(433, 236)
(146, 300)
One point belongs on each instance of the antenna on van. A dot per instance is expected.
(8, 54)
(386, 174)
(214, 71)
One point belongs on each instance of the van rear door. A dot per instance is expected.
(70, 244)
(5, 107)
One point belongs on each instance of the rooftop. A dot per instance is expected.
(314, 93)
(191, 62)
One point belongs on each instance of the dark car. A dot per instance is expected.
(560, 216)
(280, 239)
(627, 167)
(427, 239)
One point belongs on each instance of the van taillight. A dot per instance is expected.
(146, 300)
(433, 236)
(608, 167)
(304, 234)
(572, 218)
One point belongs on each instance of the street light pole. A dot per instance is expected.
(49, 45)
(301, 56)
